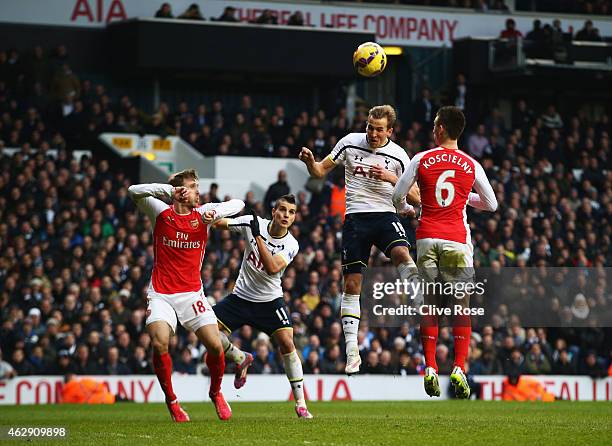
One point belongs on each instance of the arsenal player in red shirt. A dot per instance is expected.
(446, 176)
(180, 232)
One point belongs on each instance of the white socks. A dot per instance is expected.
(350, 311)
(232, 353)
(293, 369)
(408, 272)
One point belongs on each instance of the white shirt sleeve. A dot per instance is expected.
(147, 198)
(239, 224)
(222, 210)
(484, 198)
(404, 184)
(338, 154)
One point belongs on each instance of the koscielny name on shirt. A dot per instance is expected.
(448, 158)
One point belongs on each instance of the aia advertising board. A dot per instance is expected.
(392, 25)
(145, 388)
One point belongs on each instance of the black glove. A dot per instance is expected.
(254, 225)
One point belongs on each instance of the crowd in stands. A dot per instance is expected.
(75, 255)
(549, 35)
(193, 12)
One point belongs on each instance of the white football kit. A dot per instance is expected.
(254, 283)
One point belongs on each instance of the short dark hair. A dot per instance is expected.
(453, 121)
(178, 179)
(289, 198)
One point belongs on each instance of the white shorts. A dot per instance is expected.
(453, 261)
(192, 309)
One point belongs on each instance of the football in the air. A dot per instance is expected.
(369, 59)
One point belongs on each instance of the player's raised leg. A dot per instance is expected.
(407, 269)
(350, 311)
(293, 369)
(215, 360)
(242, 360)
(160, 332)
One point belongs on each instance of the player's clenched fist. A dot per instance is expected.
(180, 194)
(306, 156)
(208, 216)
(382, 174)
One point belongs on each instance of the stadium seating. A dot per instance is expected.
(75, 255)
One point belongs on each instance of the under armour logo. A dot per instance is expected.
(348, 322)
(358, 158)
(299, 386)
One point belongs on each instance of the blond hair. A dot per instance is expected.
(178, 179)
(384, 111)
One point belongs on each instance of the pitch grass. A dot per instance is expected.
(338, 423)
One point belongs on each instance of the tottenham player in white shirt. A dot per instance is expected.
(257, 298)
(372, 165)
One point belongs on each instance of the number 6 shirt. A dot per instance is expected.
(445, 178)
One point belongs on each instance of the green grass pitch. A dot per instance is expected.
(336, 423)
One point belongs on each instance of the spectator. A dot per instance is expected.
(192, 13)
(20, 363)
(552, 119)
(510, 32)
(487, 364)
(267, 17)
(460, 92)
(164, 11)
(65, 84)
(478, 143)
(424, 109)
(113, 366)
(536, 33)
(443, 359)
(564, 365)
(372, 365)
(262, 363)
(588, 33)
(6, 370)
(296, 19)
(331, 363)
(312, 365)
(536, 362)
(185, 363)
(276, 190)
(83, 364)
(228, 15)
(591, 366)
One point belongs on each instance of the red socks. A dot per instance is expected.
(429, 339)
(216, 367)
(462, 331)
(162, 364)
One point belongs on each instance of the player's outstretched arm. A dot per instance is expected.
(484, 198)
(156, 190)
(272, 264)
(147, 197)
(215, 211)
(317, 169)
